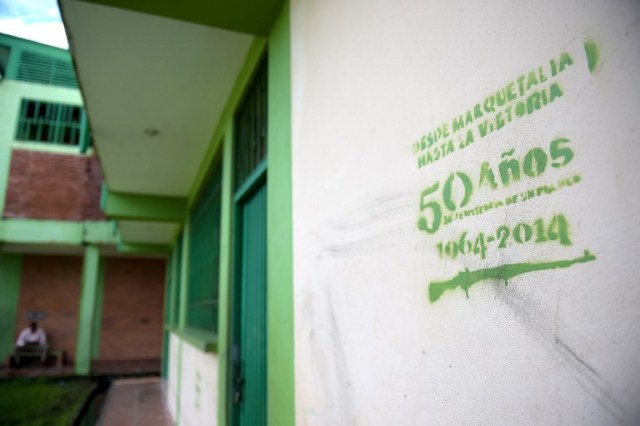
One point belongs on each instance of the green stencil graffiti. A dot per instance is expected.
(591, 50)
(466, 278)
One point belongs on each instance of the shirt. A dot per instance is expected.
(28, 336)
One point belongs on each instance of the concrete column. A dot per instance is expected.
(97, 318)
(10, 269)
(87, 310)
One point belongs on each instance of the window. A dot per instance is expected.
(51, 123)
(204, 257)
(250, 127)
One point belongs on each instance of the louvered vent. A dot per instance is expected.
(37, 68)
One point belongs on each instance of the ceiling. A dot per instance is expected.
(154, 88)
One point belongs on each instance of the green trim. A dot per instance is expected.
(252, 17)
(10, 271)
(85, 134)
(99, 304)
(201, 340)
(226, 260)
(143, 248)
(118, 205)
(31, 231)
(164, 366)
(5, 168)
(253, 57)
(86, 312)
(184, 274)
(174, 284)
(280, 313)
(256, 176)
(51, 148)
(167, 313)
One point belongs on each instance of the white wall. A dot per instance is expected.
(192, 384)
(556, 345)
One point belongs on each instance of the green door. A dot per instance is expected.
(250, 305)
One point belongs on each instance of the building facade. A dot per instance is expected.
(59, 263)
(379, 212)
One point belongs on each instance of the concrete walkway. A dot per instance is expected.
(135, 402)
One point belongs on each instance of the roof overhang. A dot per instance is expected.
(155, 78)
(246, 16)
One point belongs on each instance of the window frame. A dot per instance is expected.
(52, 123)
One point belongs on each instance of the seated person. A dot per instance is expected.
(31, 340)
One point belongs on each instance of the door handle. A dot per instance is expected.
(237, 392)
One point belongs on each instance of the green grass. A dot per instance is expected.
(40, 402)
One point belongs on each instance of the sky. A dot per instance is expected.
(37, 20)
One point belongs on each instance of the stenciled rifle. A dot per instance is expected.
(467, 278)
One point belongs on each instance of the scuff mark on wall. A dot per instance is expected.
(548, 332)
(379, 224)
(329, 359)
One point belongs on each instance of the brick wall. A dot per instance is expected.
(51, 284)
(45, 185)
(133, 309)
(132, 320)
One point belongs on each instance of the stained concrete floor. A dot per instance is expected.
(135, 402)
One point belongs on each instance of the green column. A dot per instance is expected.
(10, 268)
(280, 343)
(87, 311)
(166, 321)
(97, 318)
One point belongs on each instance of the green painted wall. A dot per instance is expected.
(10, 268)
(280, 341)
